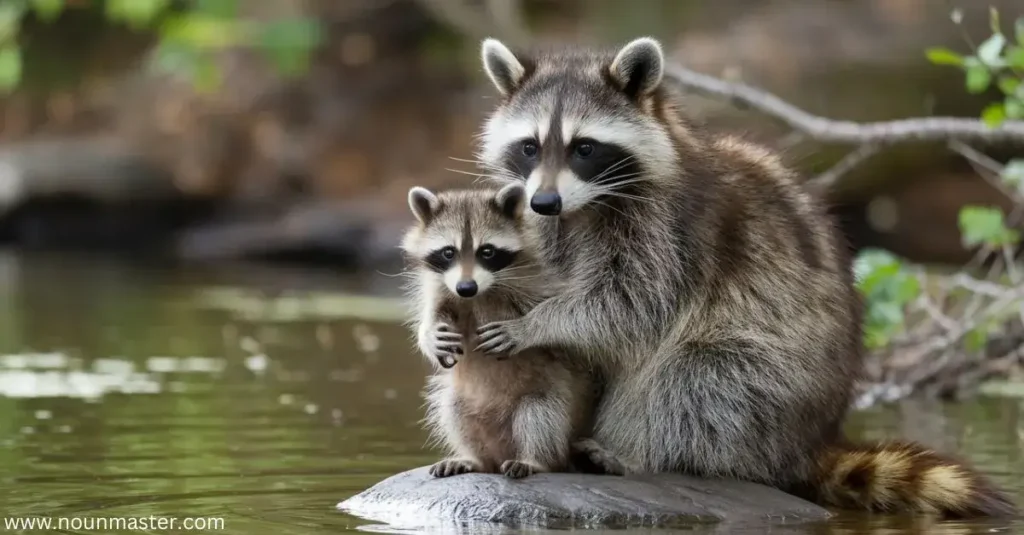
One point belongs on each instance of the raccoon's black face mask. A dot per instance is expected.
(571, 126)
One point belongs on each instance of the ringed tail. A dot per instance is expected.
(891, 477)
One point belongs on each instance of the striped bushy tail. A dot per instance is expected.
(906, 477)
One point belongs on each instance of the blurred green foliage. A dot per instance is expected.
(885, 282)
(982, 225)
(888, 287)
(998, 61)
(188, 34)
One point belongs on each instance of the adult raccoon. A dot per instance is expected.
(714, 293)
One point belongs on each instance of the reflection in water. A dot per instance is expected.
(131, 392)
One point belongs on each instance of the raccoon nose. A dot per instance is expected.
(546, 203)
(466, 288)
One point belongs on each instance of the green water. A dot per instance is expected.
(259, 399)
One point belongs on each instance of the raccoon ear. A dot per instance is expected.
(502, 66)
(510, 199)
(639, 66)
(423, 203)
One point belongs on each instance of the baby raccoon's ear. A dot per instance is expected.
(423, 204)
(510, 199)
(639, 67)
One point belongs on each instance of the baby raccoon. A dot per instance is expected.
(472, 266)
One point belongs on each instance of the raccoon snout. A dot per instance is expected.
(466, 288)
(546, 203)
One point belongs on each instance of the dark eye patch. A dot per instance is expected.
(436, 259)
(605, 163)
(500, 260)
(517, 162)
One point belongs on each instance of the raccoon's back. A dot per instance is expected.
(771, 252)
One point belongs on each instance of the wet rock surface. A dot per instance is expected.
(474, 502)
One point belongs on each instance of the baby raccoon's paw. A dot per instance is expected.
(453, 467)
(591, 457)
(445, 344)
(519, 469)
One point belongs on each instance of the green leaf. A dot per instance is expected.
(1008, 84)
(10, 17)
(880, 275)
(10, 68)
(1013, 172)
(978, 78)
(887, 313)
(202, 31)
(1015, 57)
(1013, 108)
(887, 288)
(985, 225)
(873, 264)
(990, 51)
(944, 56)
(993, 115)
(907, 289)
(48, 10)
(288, 43)
(137, 14)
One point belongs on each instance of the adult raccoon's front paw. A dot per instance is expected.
(444, 344)
(498, 337)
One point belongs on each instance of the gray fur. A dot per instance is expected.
(710, 289)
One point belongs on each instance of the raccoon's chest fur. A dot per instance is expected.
(486, 383)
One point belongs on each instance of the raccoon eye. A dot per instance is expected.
(584, 150)
(530, 149)
(448, 253)
(487, 252)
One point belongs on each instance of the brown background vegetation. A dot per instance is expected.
(317, 168)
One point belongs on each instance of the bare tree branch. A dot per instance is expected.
(845, 132)
(826, 180)
(982, 161)
(497, 18)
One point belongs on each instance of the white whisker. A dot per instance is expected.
(614, 167)
(616, 179)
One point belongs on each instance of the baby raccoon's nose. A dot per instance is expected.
(546, 203)
(466, 288)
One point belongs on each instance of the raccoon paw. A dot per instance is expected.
(452, 467)
(445, 344)
(591, 457)
(518, 469)
(497, 337)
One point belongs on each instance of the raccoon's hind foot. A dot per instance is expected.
(520, 469)
(453, 467)
(591, 457)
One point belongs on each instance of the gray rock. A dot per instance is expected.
(493, 503)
